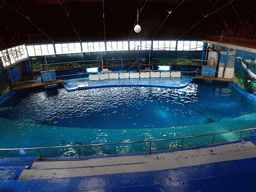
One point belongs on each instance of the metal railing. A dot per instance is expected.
(239, 137)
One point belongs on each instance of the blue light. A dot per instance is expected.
(164, 68)
(92, 70)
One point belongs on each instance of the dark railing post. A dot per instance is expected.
(40, 156)
(149, 146)
(78, 152)
(213, 140)
(115, 149)
(241, 136)
(182, 144)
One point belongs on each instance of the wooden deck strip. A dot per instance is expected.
(213, 79)
(33, 85)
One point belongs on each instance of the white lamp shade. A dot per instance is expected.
(137, 28)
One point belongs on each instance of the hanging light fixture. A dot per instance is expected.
(137, 27)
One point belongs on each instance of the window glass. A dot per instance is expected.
(186, 45)
(173, 45)
(200, 45)
(160, 45)
(31, 51)
(44, 49)
(96, 46)
(143, 45)
(5, 59)
(58, 48)
(155, 45)
(50, 49)
(90, 46)
(167, 45)
(134, 45)
(180, 46)
(77, 48)
(102, 46)
(109, 48)
(84, 45)
(24, 51)
(193, 45)
(114, 46)
(71, 47)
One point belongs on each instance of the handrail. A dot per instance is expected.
(119, 143)
(59, 63)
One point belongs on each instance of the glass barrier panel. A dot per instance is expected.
(227, 137)
(96, 150)
(198, 141)
(59, 152)
(131, 148)
(250, 133)
(19, 153)
(166, 145)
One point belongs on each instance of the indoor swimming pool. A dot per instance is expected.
(56, 117)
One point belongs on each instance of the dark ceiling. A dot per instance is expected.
(39, 21)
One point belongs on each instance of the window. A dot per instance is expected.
(31, 51)
(200, 46)
(155, 45)
(193, 45)
(5, 58)
(180, 46)
(38, 51)
(186, 45)
(64, 48)
(134, 45)
(96, 46)
(58, 48)
(161, 45)
(17, 53)
(117, 46)
(145, 45)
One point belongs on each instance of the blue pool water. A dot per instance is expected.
(127, 107)
(119, 114)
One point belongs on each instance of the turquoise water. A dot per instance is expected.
(150, 113)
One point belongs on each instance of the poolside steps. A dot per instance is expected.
(139, 163)
(214, 79)
(34, 85)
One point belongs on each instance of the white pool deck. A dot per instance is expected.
(139, 163)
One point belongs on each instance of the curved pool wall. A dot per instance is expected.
(84, 83)
(56, 136)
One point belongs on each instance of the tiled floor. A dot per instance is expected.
(222, 168)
